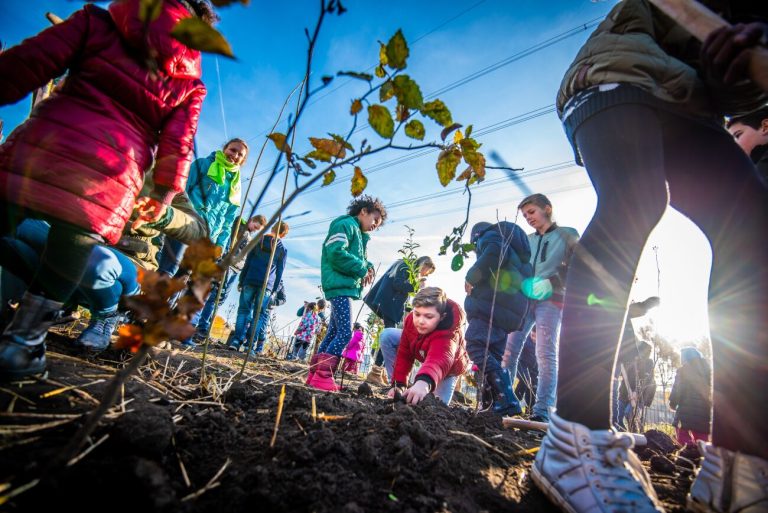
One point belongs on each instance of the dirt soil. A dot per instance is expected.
(169, 446)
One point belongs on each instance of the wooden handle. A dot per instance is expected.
(55, 20)
(511, 422)
(700, 22)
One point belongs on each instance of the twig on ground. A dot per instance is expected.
(88, 450)
(67, 388)
(482, 442)
(210, 484)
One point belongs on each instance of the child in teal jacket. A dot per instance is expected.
(344, 270)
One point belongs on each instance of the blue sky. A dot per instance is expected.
(449, 42)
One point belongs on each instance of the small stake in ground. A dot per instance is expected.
(280, 402)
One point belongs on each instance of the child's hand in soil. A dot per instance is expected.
(395, 393)
(725, 54)
(417, 392)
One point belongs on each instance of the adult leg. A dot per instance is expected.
(622, 150)
(713, 182)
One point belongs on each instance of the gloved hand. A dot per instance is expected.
(417, 392)
(537, 288)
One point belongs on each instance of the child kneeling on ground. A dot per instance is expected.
(433, 335)
(354, 351)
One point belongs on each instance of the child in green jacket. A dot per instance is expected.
(344, 270)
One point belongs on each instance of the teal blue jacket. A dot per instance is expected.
(344, 262)
(211, 200)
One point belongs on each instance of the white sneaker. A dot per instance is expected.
(592, 471)
(729, 482)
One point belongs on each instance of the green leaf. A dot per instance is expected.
(397, 51)
(447, 130)
(359, 182)
(381, 121)
(329, 146)
(437, 110)
(468, 131)
(415, 129)
(319, 155)
(386, 91)
(473, 157)
(446, 166)
(356, 74)
(356, 107)
(382, 56)
(467, 247)
(198, 35)
(457, 262)
(392, 497)
(380, 72)
(329, 177)
(279, 140)
(408, 92)
(149, 10)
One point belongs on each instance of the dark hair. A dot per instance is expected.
(311, 306)
(537, 199)
(237, 140)
(357, 326)
(203, 10)
(368, 203)
(753, 119)
(321, 304)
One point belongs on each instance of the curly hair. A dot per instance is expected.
(370, 204)
(203, 10)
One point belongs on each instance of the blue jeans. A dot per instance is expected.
(109, 273)
(169, 259)
(247, 309)
(339, 327)
(547, 317)
(206, 314)
(390, 341)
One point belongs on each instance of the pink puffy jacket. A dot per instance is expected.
(354, 347)
(82, 154)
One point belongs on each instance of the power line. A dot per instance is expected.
(455, 190)
(495, 66)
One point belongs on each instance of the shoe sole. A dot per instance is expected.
(549, 490)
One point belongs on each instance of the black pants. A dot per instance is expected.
(632, 153)
(63, 261)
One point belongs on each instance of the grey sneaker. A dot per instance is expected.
(582, 470)
(98, 335)
(729, 482)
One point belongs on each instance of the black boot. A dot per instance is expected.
(505, 401)
(22, 347)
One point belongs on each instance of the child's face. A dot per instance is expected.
(537, 217)
(426, 270)
(426, 319)
(236, 153)
(747, 137)
(369, 221)
(254, 225)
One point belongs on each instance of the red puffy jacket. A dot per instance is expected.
(82, 154)
(442, 353)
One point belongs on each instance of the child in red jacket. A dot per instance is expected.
(433, 335)
(79, 160)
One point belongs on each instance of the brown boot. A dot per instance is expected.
(377, 376)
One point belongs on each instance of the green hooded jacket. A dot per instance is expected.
(344, 262)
